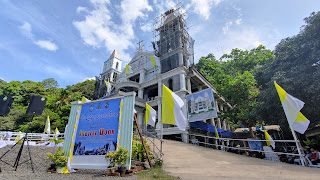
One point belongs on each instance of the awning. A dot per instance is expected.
(208, 127)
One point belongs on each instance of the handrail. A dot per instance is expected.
(302, 156)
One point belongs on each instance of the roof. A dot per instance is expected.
(271, 127)
(208, 127)
(114, 54)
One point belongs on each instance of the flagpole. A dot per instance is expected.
(298, 147)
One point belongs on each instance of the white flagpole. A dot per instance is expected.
(298, 147)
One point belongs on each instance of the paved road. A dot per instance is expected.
(191, 162)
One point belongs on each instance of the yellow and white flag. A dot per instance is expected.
(56, 133)
(270, 141)
(216, 132)
(47, 126)
(128, 69)
(153, 61)
(108, 85)
(171, 109)
(292, 107)
(150, 115)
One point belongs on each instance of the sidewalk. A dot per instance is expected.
(192, 162)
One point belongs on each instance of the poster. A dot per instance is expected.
(201, 105)
(255, 145)
(97, 130)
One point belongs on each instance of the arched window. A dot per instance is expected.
(170, 84)
(117, 65)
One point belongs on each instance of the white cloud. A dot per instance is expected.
(100, 30)
(230, 23)
(203, 7)
(225, 28)
(147, 27)
(26, 30)
(90, 78)
(80, 9)
(48, 45)
(238, 21)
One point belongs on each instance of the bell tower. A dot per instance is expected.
(172, 43)
(112, 67)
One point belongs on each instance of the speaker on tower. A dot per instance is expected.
(36, 105)
(5, 105)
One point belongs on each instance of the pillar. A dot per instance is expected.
(140, 121)
(189, 85)
(159, 87)
(140, 93)
(182, 82)
(224, 125)
(215, 140)
(159, 124)
(141, 77)
(185, 137)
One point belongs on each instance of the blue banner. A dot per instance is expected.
(97, 128)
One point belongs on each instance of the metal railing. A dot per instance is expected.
(11, 136)
(220, 142)
(151, 138)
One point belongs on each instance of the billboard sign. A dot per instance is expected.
(97, 132)
(201, 106)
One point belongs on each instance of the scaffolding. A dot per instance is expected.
(170, 33)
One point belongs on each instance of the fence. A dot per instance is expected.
(221, 142)
(156, 144)
(11, 136)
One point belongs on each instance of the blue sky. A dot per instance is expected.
(70, 40)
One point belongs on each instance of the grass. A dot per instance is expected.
(154, 173)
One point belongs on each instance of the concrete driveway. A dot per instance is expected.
(187, 161)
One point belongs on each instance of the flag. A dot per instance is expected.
(292, 107)
(150, 116)
(216, 132)
(108, 85)
(128, 69)
(270, 141)
(20, 136)
(47, 126)
(171, 109)
(153, 61)
(56, 133)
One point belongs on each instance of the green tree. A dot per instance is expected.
(49, 83)
(85, 87)
(295, 69)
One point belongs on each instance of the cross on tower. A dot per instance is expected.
(140, 45)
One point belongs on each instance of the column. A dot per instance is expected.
(158, 126)
(140, 93)
(140, 121)
(182, 82)
(141, 77)
(180, 57)
(159, 87)
(189, 85)
(221, 107)
(219, 123)
(224, 125)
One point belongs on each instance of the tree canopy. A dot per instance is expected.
(245, 78)
(57, 107)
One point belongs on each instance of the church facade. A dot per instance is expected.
(173, 55)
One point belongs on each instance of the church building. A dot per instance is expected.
(173, 55)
